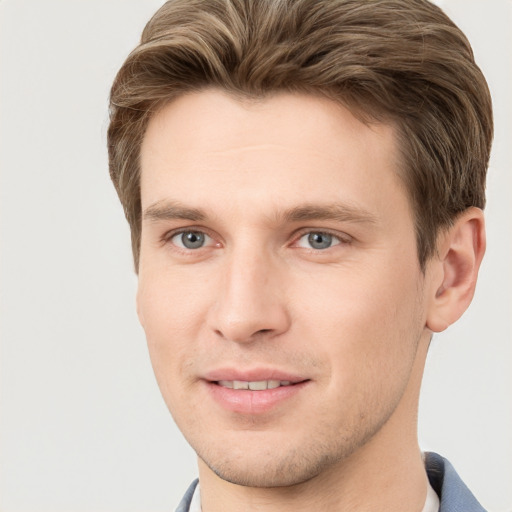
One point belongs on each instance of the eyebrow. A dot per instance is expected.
(171, 210)
(335, 211)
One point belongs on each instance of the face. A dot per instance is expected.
(279, 286)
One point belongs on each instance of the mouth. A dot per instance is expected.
(254, 385)
(253, 395)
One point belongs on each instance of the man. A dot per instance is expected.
(304, 181)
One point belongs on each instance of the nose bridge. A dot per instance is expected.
(250, 301)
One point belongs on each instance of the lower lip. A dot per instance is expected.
(246, 401)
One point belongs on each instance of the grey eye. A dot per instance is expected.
(189, 239)
(318, 240)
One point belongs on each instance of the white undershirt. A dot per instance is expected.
(431, 503)
(195, 504)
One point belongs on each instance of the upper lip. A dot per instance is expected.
(252, 375)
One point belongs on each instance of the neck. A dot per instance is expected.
(387, 473)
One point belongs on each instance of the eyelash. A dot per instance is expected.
(342, 239)
(167, 238)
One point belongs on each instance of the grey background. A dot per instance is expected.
(82, 423)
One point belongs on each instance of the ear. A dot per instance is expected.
(455, 269)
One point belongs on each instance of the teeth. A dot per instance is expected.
(258, 385)
(272, 384)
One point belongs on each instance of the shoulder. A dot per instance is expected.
(453, 493)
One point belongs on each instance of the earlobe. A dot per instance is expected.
(460, 252)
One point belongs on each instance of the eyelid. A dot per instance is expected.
(166, 238)
(343, 238)
(169, 235)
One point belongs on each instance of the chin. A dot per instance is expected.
(269, 469)
(263, 475)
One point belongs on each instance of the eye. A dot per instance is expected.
(191, 240)
(318, 240)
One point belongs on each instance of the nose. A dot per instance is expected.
(251, 302)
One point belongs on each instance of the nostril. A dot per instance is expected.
(244, 324)
(235, 336)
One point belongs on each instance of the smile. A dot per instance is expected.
(255, 397)
(257, 385)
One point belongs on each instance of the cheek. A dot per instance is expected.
(359, 300)
(172, 312)
(366, 324)
(171, 301)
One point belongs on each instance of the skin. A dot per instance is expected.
(353, 319)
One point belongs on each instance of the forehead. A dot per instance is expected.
(286, 147)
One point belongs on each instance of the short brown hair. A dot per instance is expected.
(398, 61)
